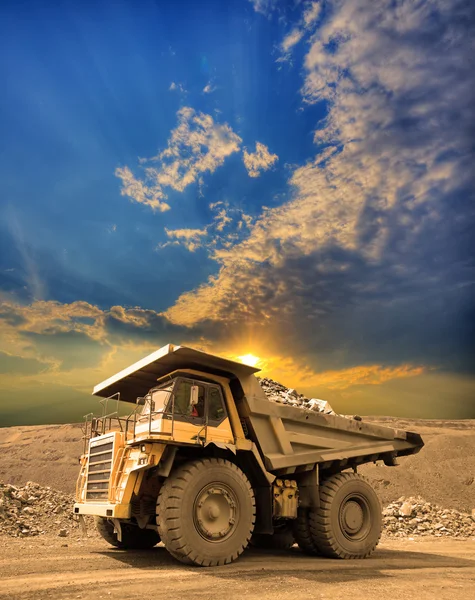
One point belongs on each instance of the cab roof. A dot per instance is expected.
(137, 379)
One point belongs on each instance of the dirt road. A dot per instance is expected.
(400, 570)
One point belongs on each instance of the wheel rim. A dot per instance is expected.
(355, 517)
(216, 512)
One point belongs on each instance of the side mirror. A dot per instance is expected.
(194, 395)
(140, 401)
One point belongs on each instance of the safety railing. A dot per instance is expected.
(95, 426)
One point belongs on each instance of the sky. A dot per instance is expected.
(288, 180)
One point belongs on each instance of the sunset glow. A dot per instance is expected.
(249, 359)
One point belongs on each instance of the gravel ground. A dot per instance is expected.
(45, 567)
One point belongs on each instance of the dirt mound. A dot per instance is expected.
(47, 454)
(443, 472)
(35, 510)
(415, 516)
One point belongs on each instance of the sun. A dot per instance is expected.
(249, 359)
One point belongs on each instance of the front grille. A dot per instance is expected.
(99, 469)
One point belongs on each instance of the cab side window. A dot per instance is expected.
(182, 400)
(198, 410)
(216, 410)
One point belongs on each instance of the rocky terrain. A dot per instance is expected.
(33, 510)
(415, 516)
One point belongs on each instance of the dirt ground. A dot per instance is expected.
(399, 569)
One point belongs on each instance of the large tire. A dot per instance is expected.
(281, 539)
(206, 512)
(302, 533)
(133, 538)
(348, 522)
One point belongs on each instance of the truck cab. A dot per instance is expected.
(194, 407)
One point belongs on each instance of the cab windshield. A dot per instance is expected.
(155, 401)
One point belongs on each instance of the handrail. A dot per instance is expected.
(100, 425)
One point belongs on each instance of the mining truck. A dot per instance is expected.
(205, 463)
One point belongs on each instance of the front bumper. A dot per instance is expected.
(111, 511)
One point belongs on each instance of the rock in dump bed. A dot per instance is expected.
(276, 392)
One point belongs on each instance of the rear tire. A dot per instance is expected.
(348, 522)
(302, 533)
(281, 539)
(206, 512)
(133, 538)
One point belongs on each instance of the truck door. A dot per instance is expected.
(189, 421)
(206, 421)
(218, 426)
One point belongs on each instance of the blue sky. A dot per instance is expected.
(89, 89)
(287, 179)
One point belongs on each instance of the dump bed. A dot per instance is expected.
(292, 438)
(288, 437)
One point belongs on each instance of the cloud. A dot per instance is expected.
(209, 88)
(306, 25)
(76, 344)
(190, 238)
(15, 364)
(363, 375)
(225, 228)
(350, 256)
(177, 87)
(196, 146)
(265, 7)
(291, 39)
(260, 160)
(286, 368)
(139, 191)
(23, 328)
(311, 14)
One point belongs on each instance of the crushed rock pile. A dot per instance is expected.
(276, 392)
(34, 510)
(416, 517)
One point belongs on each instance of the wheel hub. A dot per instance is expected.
(352, 515)
(355, 517)
(215, 512)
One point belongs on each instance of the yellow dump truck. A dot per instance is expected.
(205, 463)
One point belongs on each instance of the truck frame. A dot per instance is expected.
(205, 463)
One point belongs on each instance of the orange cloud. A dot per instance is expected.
(288, 372)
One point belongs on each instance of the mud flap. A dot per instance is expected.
(117, 529)
(264, 503)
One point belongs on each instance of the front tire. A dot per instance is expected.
(133, 538)
(348, 522)
(206, 512)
